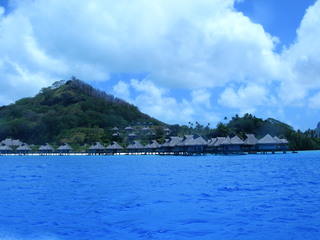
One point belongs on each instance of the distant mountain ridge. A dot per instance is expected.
(68, 111)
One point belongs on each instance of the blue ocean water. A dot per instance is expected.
(256, 197)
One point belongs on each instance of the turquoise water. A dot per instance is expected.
(256, 197)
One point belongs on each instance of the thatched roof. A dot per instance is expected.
(65, 147)
(278, 140)
(227, 141)
(151, 133)
(281, 141)
(186, 140)
(212, 141)
(233, 141)
(267, 140)
(173, 141)
(129, 128)
(11, 142)
(192, 140)
(135, 145)
(166, 129)
(251, 139)
(115, 129)
(114, 146)
(219, 141)
(97, 146)
(166, 143)
(236, 141)
(153, 145)
(46, 147)
(5, 148)
(199, 140)
(24, 147)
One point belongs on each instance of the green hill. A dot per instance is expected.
(76, 113)
(249, 124)
(68, 111)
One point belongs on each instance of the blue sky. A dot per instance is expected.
(280, 18)
(178, 61)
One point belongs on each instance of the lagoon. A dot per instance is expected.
(256, 197)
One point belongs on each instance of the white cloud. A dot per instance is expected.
(200, 46)
(179, 43)
(314, 101)
(121, 90)
(201, 96)
(218, 49)
(159, 103)
(302, 60)
(19, 81)
(1, 11)
(156, 102)
(245, 98)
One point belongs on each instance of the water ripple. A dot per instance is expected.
(163, 198)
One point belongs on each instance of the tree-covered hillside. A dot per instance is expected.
(250, 124)
(68, 111)
(73, 112)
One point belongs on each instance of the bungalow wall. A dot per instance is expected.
(233, 148)
(196, 149)
(267, 147)
(249, 148)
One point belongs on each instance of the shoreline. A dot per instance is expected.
(153, 154)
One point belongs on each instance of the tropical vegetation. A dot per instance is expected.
(74, 112)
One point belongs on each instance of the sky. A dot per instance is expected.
(179, 61)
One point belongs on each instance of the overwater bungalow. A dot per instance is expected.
(250, 143)
(114, 148)
(46, 149)
(188, 145)
(96, 148)
(278, 140)
(180, 147)
(163, 146)
(23, 149)
(65, 149)
(284, 141)
(152, 147)
(210, 145)
(135, 147)
(192, 144)
(267, 144)
(285, 145)
(4, 149)
(11, 142)
(170, 146)
(282, 144)
(218, 147)
(233, 145)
